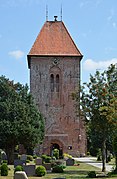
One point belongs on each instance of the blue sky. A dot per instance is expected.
(91, 23)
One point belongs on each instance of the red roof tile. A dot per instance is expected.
(54, 39)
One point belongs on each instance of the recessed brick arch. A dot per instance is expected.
(55, 70)
(55, 85)
(56, 144)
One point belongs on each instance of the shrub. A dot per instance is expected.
(4, 161)
(92, 174)
(4, 169)
(18, 168)
(65, 155)
(34, 156)
(57, 162)
(113, 173)
(58, 168)
(88, 153)
(46, 159)
(53, 158)
(30, 157)
(56, 153)
(43, 156)
(40, 171)
(27, 161)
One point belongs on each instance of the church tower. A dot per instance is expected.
(54, 63)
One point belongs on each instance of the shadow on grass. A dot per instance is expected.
(71, 174)
(82, 172)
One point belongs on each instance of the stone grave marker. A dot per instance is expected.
(19, 162)
(20, 175)
(29, 169)
(69, 162)
(38, 161)
(23, 157)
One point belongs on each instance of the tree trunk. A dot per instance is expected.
(104, 155)
(10, 154)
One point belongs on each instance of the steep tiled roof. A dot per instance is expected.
(54, 39)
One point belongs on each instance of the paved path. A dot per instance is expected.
(92, 161)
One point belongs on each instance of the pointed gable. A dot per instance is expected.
(54, 40)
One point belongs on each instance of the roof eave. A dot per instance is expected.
(52, 55)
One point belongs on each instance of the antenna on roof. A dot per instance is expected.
(61, 12)
(46, 12)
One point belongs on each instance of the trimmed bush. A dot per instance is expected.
(27, 161)
(58, 168)
(43, 156)
(56, 153)
(34, 156)
(92, 174)
(18, 168)
(4, 169)
(30, 157)
(40, 171)
(46, 159)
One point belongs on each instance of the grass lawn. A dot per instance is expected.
(71, 172)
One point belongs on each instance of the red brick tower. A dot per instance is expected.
(54, 63)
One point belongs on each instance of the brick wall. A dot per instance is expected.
(63, 126)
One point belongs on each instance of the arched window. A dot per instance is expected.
(52, 82)
(57, 83)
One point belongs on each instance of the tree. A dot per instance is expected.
(96, 102)
(20, 121)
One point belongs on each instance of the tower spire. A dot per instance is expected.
(61, 12)
(46, 12)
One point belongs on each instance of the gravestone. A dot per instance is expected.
(20, 175)
(19, 162)
(23, 157)
(29, 169)
(69, 162)
(47, 166)
(38, 161)
(3, 155)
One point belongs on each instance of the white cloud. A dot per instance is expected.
(114, 24)
(91, 65)
(17, 54)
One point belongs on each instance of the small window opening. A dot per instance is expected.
(52, 82)
(57, 83)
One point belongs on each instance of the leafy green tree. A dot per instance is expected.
(97, 101)
(20, 121)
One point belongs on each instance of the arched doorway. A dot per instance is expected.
(56, 146)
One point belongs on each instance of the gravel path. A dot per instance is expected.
(92, 161)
